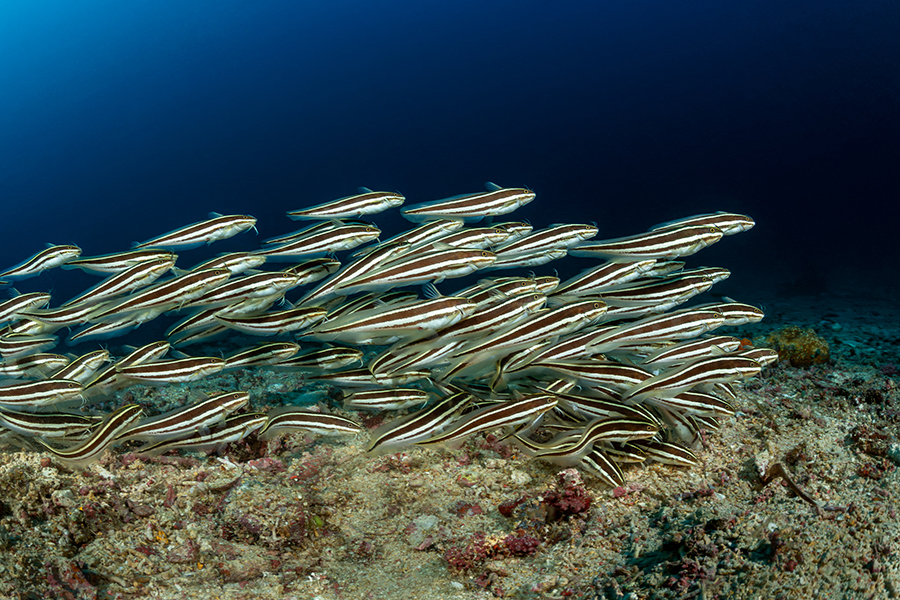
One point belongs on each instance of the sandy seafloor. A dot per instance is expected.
(312, 517)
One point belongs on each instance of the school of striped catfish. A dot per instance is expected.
(597, 371)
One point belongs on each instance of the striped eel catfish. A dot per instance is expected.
(471, 207)
(664, 243)
(366, 202)
(48, 258)
(118, 261)
(606, 365)
(217, 227)
(101, 438)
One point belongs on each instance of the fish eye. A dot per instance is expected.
(598, 305)
(485, 254)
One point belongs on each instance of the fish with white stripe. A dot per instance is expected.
(178, 370)
(188, 419)
(217, 227)
(471, 207)
(51, 257)
(387, 325)
(169, 294)
(11, 309)
(234, 429)
(275, 323)
(416, 268)
(729, 223)
(118, 261)
(124, 282)
(366, 202)
(665, 243)
(343, 237)
(289, 419)
(103, 437)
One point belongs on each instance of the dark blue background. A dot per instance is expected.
(122, 120)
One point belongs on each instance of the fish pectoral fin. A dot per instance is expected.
(430, 291)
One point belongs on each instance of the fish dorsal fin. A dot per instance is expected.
(364, 190)
(13, 292)
(491, 186)
(214, 215)
(430, 291)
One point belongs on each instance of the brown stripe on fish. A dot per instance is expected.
(48, 258)
(729, 223)
(92, 448)
(496, 201)
(693, 403)
(49, 425)
(665, 243)
(176, 370)
(275, 323)
(172, 293)
(259, 285)
(262, 355)
(219, 227)
(11, 308)
(674, 326)
(33, 365)
(692, 349)
(344, 237)
(235, 428)
(365, 203)
(387, 399)
(189, 419)
(595, 280)
(715, 369)
(235, 262)
(489, 418)
(554, 237)
(377, 257)
(124, 282)
(403, 432)
(82, 368)
(597, 462)
(416, 268)
(289, 419)
(324, 359)
(363, 377)
(108, 380)
(118, 261)
(16, 345)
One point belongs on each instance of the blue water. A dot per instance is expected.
(123, 120)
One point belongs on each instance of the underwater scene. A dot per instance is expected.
(470, 300)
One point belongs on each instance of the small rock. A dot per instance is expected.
(143, 510)
(894, 453)
(520, 477)
(422, 531)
